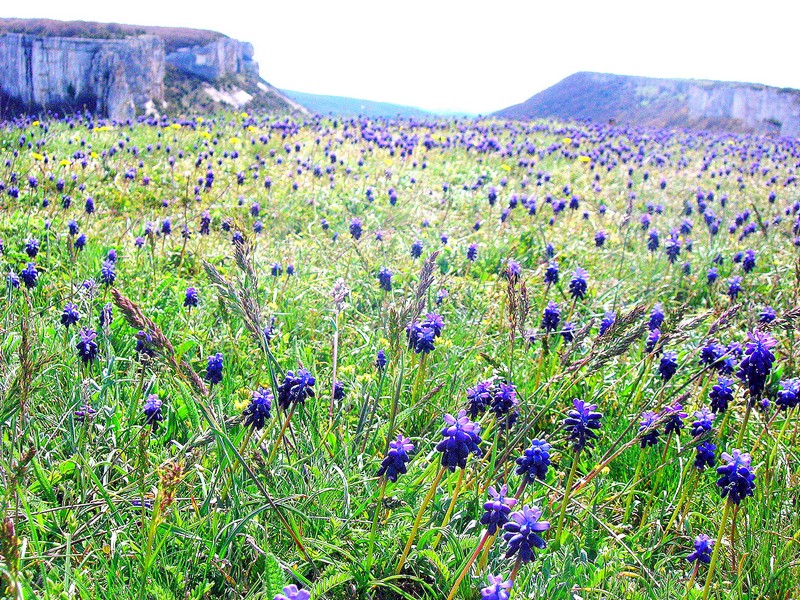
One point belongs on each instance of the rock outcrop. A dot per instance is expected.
(120, 71)
(112, 77)
(218, 59)
(673, 103)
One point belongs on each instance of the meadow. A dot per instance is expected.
(255, 357)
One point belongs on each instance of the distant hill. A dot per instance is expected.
(673, 103)
(352, 107)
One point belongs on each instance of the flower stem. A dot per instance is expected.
(418, 520)
(744, 424)
(375, 518)
(450, 508)
(629, 501)
(467, 567)
(278, 441)
(717, 545)
(567, 490)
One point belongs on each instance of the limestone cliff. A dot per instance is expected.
(673, 103)
(123, 70)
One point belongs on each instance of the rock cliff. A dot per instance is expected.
(119, 70)
(674, 103)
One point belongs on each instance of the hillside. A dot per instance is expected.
(121, 71)
(674, 103)
(351, 107)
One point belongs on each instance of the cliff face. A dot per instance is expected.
(112, 77)
(218, 59)
(123, 70)
(677, 103)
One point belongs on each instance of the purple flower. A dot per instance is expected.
(296, 387)
(648, 431)
(551, 317)
(29, 276)
(551, 273)
(259, 410)
(497, 509)
(152, 411)
(394, 463)
(416, 249)
(70, 315)
(214, 369)
(472, 252)
(479, 398)
(668, 365)
(734, 287)
(673, 419)
(704, 421)
(767, 315)
(107, 273)
(703, 546)
(705, 456)
(656, 317)
(578, 284)
(580, 423)
(721, 395)
(461, 437)
(608, 320)
(652, 340)
(737, 480)
(497, 588)
(757, 362)
(534, 461)
(522, 533)
(191, 298)
(356, 228)
(789, 394)
(381, 360)
(385, 279)
(87, 346)
(292, 592)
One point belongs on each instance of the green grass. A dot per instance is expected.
(202, 508)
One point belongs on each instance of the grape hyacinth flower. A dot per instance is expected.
(703, 422)
(757, 363)
(608, 320)
(292, 592)
(421, 335)
(703, 545)
(498, 589)
(789, 394)
(107, 273)
(522, 533)
(551, 317)
(551, 273)
(472, 252)
(381, 360)
(356, 228)
(497, 509)
(394, 463)
(461, 437)
(648, 431)
(767, 315)
(152, 411)
(705, 456)
(734, 287)
(191, 298)
(295, 388)
(673, 417)
(385, 279)
(259, 410)
(668, 365)
(87, 346)
(656, 319)
(214, 369)
(29, 276)
(721, 395)
(70, 315)
(737, 479)
(534, 462)
(580, 424)
(479, 398)
(578, 284)
(416, 249)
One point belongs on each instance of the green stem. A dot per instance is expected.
(375, 518)
(747, 412)
(629, 501)
(717, 545)
(567, 490)
(467, 567)
(418, 520)
(450, 508)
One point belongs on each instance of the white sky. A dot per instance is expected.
(475, 56)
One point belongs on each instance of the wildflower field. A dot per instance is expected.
(257, 357)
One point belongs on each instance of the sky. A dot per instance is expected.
(475, 57)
